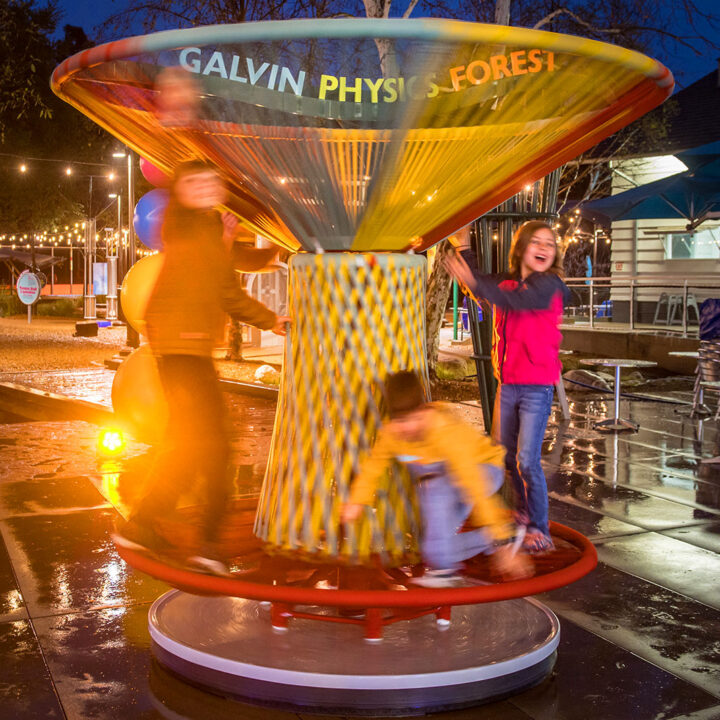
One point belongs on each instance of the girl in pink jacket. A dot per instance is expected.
(528, 305)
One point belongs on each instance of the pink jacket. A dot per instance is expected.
(526, 343)
(526, 338)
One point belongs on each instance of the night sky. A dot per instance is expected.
(685, 64)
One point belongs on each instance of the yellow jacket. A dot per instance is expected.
(461, 448)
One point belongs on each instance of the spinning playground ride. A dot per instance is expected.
(353, 144)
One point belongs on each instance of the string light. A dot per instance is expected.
(23, 168)
(74, 238)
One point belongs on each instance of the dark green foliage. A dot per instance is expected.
(34, 123)
(25, 55)
(10, 304)
(58, 308)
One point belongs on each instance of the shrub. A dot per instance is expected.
(65, 307)
(10, 303)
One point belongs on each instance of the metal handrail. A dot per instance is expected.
(619, 279)
(634, 283)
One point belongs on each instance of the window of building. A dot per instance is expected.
(698, 245)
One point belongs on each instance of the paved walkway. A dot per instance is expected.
(640, 635)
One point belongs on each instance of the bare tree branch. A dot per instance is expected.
(410, 8)
(578, 20)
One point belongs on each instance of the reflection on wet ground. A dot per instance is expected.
(92, 384)
(640, 635)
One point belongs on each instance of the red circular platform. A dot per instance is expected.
(281, 579)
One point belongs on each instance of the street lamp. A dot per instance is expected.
(131, 250)
(127, 260)
(118, 197)
(112, 267)
(89, 306)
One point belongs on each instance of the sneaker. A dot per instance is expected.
(537, 543)
(209, 561)
(209, 566)
(137, 536)
(438, 579)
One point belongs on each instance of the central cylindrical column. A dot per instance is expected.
(356, 318)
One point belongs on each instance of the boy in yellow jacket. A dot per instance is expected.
(458, 472)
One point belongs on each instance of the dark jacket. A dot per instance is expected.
(196, 287)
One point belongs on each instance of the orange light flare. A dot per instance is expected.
(111, 442)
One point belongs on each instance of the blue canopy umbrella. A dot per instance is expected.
(693, 195)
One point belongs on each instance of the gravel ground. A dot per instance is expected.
(48, 344)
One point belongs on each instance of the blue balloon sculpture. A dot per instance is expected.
(148, 217)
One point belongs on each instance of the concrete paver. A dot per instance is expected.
(640, 636)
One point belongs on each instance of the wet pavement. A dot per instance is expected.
(640, 635)
(92, 384)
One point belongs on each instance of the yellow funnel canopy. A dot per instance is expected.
(360, 134)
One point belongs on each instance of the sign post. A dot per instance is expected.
(28, 289)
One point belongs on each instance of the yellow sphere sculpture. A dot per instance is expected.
(137, 286)
(137, 396)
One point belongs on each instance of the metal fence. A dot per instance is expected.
(669, 303)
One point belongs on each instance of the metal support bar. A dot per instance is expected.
(455, 309)
(562, 399)
(617, 423)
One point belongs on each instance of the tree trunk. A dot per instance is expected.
(438, 292)
(502, 12)
(234, 351)
(385, 46)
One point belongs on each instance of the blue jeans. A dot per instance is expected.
(522, 412)
(443, 512)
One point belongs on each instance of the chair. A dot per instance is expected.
(675, 303)
(658, 308)
(604, 309)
